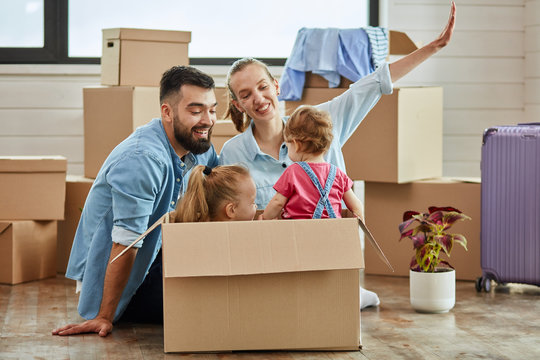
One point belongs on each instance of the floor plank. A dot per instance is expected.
(502, 324)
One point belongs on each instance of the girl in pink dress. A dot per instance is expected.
(311, 187)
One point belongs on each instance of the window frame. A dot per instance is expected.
(55, 48)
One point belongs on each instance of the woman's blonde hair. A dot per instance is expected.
(311, 128)
(207, 191)
(240, 120)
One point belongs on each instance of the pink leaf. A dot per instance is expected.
(446, 242)
(433, 209)
(409, 214)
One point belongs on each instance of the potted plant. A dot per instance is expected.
(432, 278)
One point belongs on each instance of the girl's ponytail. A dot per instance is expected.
(193, 206)
(208, 189)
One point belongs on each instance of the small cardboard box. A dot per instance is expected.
(223, 130)
(77, 188)
(27, 250)
(384, 207)
(139, 57)
(32, 187)
(386, 145)
(111, 114)
(262, 285)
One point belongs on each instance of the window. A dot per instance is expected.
(22, 25)
(222, 31)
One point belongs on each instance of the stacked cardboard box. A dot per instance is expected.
(33, 193)
(77, 188)
(132, 64)
(386, 202)
(223, 129)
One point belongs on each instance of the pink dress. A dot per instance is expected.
(303, 196)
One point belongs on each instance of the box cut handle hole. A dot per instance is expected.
(110, 44)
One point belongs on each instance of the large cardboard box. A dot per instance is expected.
(384, 207)
(223, 130)
(400, 140)
(261, 285)
(139, 57)
(77, 188)
(32, 187)
(110, 115)
(27, 250)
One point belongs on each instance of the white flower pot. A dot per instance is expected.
(432, 292)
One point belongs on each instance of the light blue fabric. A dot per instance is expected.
(324, 202)
(138, 183)
(378, 39)
(330, 53)
(346, 110)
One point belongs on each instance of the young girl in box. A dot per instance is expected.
(223, 193)
(311, 187)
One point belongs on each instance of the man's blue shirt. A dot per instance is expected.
(138, 183)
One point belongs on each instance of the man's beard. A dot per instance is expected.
(185, 138)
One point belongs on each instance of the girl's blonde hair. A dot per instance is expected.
(311, 128)
(207, 190)
(240, 120)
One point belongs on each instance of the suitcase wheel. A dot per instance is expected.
(483, 283)
(478, 284)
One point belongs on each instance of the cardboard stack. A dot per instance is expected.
(394, 150)
(33, 192)
(77, 188)
(132, 64)
(386, 202)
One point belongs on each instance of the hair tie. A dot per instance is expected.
(207, 170)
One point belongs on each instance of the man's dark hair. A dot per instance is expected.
(173, 79)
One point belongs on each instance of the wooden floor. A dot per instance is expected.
(503, 324)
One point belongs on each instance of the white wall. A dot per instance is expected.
(532, 60)
(490, 74)
(481, 71)
(41, 110)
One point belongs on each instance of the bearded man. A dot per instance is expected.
(140, 181)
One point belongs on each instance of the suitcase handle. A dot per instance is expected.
(532, 123)
(487, 133)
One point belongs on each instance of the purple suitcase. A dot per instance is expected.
(510, 224)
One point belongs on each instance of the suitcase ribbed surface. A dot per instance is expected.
(510, 226)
